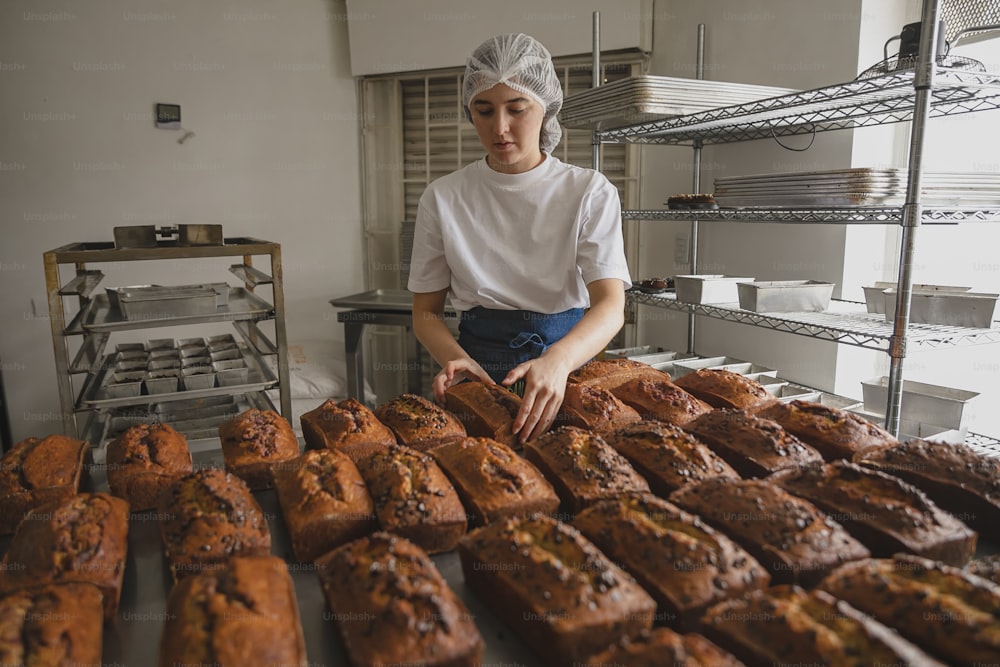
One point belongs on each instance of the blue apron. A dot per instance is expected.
(499, 340)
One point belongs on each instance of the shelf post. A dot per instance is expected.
(57, 322)
(595, 81)
(923, 84)
(695, 185)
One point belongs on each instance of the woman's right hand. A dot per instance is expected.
(454, 372)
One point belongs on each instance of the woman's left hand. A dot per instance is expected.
(545, 386)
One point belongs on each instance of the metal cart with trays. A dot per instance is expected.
(78, 313)
(926, 92)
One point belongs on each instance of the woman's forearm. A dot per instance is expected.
(598, 325)
(431, 330)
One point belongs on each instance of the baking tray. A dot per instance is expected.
(241, 305)
(785, 296)
(259, 377)
(921, 402)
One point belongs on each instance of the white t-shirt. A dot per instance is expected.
(529, 241)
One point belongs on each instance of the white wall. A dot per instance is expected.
(265, 87)
(393, 36)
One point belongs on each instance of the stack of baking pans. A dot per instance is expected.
(856, 187)
(644, 98)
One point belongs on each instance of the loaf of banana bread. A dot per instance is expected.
(789, 536)
(835, 433)
(143, 461)
(253, 442)
(347, 426)
(418, 423)
(955, 476)
(208, 517)
(609, 373)
(885, 513)
(661, 400)
(554, 588)
(82, 539)
(582, 467)
(593, 409)
(493, 481)
(57, 624)
(662, 647)
(324, 502)
(753, 446)
(683, 563)
(36, 471)
(414, 498)
(723, 388)
(244, 613)
(789, 625)
(486, 410)
(391, 606)
(667, 456)
(946, 611)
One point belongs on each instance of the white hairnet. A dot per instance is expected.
(525, 65)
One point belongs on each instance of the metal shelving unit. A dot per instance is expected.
(85, 320)
(916, 95)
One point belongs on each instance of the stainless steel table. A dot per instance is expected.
(386, 307)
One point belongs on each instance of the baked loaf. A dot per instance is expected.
(255, 441)
(684, 564)
(493, 481)
(786, 624)
(835, 433)
(947, 612)
(593, 409)
(37, 471)
(987, 567)
(243, 614)
(609, 373)
(347, 426)
(662, 647)
(722, 388)
(486, 410)
(791, 537)
(82, 539)
(391, 606)
(661, 400)
(145, 460)
(884, 512)
(582, 467)
(414, 498)
(667, 456)
(754, 446)
(561, 595)
(324, 502)
(59, 624)
(208, 517)
(419, 423)
(955, 477)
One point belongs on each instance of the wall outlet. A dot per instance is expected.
(681, 249)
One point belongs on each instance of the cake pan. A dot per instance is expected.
(162, 381)
(921, 402)
(707, 288)
(956, 309)
(785, 296)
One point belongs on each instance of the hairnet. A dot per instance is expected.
(525, 65)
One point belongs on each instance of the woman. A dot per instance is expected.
(529, 247)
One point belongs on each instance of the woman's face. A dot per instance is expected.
(509, 126)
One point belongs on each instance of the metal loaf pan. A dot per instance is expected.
(875, 294)
(785, 296)
(707, 288)
(956, 309)
(923, 403)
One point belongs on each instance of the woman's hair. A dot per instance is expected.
(522, 63)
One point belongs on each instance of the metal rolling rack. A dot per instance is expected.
(926, 92)
(90, 318)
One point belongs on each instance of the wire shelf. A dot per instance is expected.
(845, 322)
(843, 216)
(859, 103)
